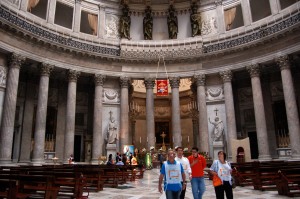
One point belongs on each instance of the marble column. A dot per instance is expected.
(229, 108)
(77, 16)
(124, 113)
(267, 91)
(51, 11)
(41, 114)
(27, 122)
(97, 124)
(149, 83)
(70, 114)
(201, 102)
(246, 11)
(9, 108)
(290, 105)
(101, 21)
(275, 6)
(176, 123)
(259, 111)
(220, 16)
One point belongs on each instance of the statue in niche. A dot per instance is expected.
(112, 131)
(172, 23)
(218, 128)
(195, 20)
(125, 22)
(148, 24)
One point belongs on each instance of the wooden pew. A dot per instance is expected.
(243, 174)
(8, 189)
(289, 183)
(266, 177)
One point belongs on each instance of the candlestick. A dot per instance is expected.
(188, 138)
(147, 139)
(140, 140)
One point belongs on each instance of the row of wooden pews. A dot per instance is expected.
(283, 176)
(62, 181)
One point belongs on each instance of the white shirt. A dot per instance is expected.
(186, 166)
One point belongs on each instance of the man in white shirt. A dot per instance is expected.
(186, 167)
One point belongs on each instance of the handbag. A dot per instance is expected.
(217, 181)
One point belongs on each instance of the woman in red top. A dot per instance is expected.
(198, 163)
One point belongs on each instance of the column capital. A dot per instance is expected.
(283, 62)
(149, 82)
(73, 75)
(78, 1)
(16, 60)
(193, 88)
(45, 69)
(124, 82)
(226, 75)
(99, 79)
(218, 2)
(199, 79)
(254, 70)
(174, 82)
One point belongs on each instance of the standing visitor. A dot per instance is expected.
(186, 167)
(223, 170)
(172, 172)
(198, 164)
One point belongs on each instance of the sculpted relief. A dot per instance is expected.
(112, 26)
(110, 96)
(214, 94)
(2, 77)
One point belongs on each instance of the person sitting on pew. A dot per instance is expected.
(120, 163)
(71, 159)
(110, 160)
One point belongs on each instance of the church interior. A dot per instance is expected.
(89, 78)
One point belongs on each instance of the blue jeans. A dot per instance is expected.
(198, 187)
(172, 194)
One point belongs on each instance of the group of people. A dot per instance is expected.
(178, 170)
(122, 159)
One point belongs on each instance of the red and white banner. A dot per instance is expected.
(162, 87)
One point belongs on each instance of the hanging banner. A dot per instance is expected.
(162, 87)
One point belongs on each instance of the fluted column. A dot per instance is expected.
(51, 11)
(246, 11)
(41, 114)
(101, 22)
(9, 108)
(149, 83)
(97, 124)
(220, 16)
(229, 108)
(290, 105)
(259, 110)
(77, 16)
(201, 101)
(124, 118)
(176, 123)
(70, 114)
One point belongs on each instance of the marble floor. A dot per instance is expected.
(147, 188)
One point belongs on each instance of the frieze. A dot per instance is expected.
(162, 111)
(3, 74)
(111, 96)
(112, 27)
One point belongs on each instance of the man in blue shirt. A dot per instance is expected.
(172, 172)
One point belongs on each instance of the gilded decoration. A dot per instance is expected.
(3, 73)
(283, 62)
(162, 111)
(110, 96)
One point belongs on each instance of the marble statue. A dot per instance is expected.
(112, 131)
(218, 129)
(172, 23)
(148, 24)
(195, 20)
(125, 22)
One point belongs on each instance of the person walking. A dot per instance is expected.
(186, 167)
(223, 170)
(198, 164)
(172, 172)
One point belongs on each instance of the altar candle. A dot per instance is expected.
(147, 139)
(140, 140)
(155, 139)
(188, 138)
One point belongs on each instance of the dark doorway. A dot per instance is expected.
(253, 144)
(161, 127)
(77, 148)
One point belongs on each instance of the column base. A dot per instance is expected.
(37, 162)
(95, 161)
(6, 162)
(263, 158)
(295, 157)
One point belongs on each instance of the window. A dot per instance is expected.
(63, 15)
(89, 23)
(260, 9)
(38, 7)
(286, 3)
(233, 18)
